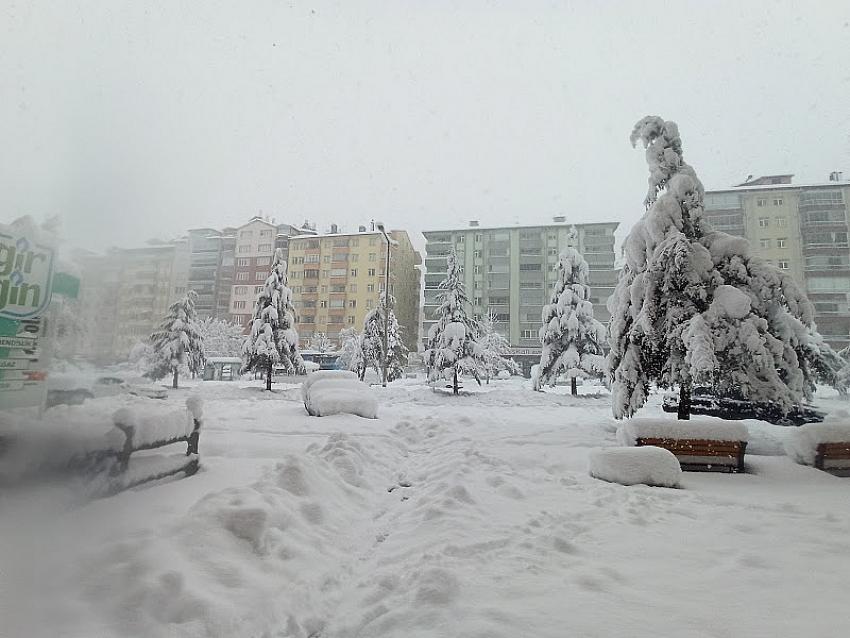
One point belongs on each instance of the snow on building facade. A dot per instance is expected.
(510, 271)
(801, 228)
(336, 279)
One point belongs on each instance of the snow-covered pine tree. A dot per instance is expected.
(222, 338)
(494, 349)
(177, 341)
(692, 302)
(351, 352)
(453, 347)
(572, 338)
(273, 340)
(372, 341)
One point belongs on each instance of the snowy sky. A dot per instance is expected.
(134, 119)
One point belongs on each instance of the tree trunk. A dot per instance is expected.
(174, 379)
(269, 377)
(573, 387)
(684, 402)
(455, 383)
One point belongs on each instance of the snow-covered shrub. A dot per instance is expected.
(340, 393)
(495, 348)
(351, 351)
(177, 342)
(273, 341)
(646, 465)
(453, 347)
(572, 338)
(222, 338)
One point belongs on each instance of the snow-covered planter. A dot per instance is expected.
(338, 392)
(825, 445)
(700, 444)
(648, 465)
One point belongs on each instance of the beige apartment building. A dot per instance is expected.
(800, 228)
(336, 279)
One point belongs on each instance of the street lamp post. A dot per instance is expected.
(380, 226)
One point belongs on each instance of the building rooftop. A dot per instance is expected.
(767, 187)
(550, 224)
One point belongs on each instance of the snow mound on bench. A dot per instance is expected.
(707, 428)
(647, 465)
(802, 443)
(340, 394)
(152, 424)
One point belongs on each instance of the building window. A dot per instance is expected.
(244, 249)
(777, 201)
(324, 289)
(311, 274)
(761, 202)
(265, 233)
(259, 289)
(764, 222)
(764, 243)
(528, 334)
(353, 256)
(476, 270)
(353, 272)
(338, 272)
(259, 276)
(241, 276)
(783, 264)
(372, 256)
(477, 301)
(352, 303)
(529, 267)
(371, 272)
(781, 222)
(241, 290)
(461, 239)
(782, 242)
(370, 287)
(323, 303)
(373, 241)
(243, 261)
(350, 319)
(238, 304)
(312, 259)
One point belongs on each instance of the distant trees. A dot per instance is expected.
(351, 351)
(273, 340)
(177, 341)
(572, 338)
(222, 338)
(320, 343)
(695, 306)
(494, 349)
(453, 347)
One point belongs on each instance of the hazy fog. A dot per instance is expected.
(134, 119)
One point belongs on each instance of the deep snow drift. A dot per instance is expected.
(446, 516)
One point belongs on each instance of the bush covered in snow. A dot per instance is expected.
(330, 392)
(645, 465)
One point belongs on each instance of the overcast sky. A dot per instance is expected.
(135, 119)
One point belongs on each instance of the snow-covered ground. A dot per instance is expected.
(447, 516)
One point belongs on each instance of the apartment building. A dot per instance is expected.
(254, 248)
(211, 264)
(509, 271)
(800, 228)
(337, 278)
(143, 282)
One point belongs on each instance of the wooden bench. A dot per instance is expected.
(834, 458)
(703, 455)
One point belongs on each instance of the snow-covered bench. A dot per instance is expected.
(647, 465)
(150, 429)
(330, 392)
(701, 445)
(825, 445)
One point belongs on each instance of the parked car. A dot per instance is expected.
(703, 402)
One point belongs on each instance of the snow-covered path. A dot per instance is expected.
(447, 516)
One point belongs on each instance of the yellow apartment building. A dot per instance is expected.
(337, 278)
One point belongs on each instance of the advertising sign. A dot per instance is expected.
(26, 275)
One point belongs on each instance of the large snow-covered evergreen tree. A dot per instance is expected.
(694, 306)
(495, 348)
(273, 340)
(222, 338)
(177, 341)
(572, 338)
(453, 348)
(372, 340)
